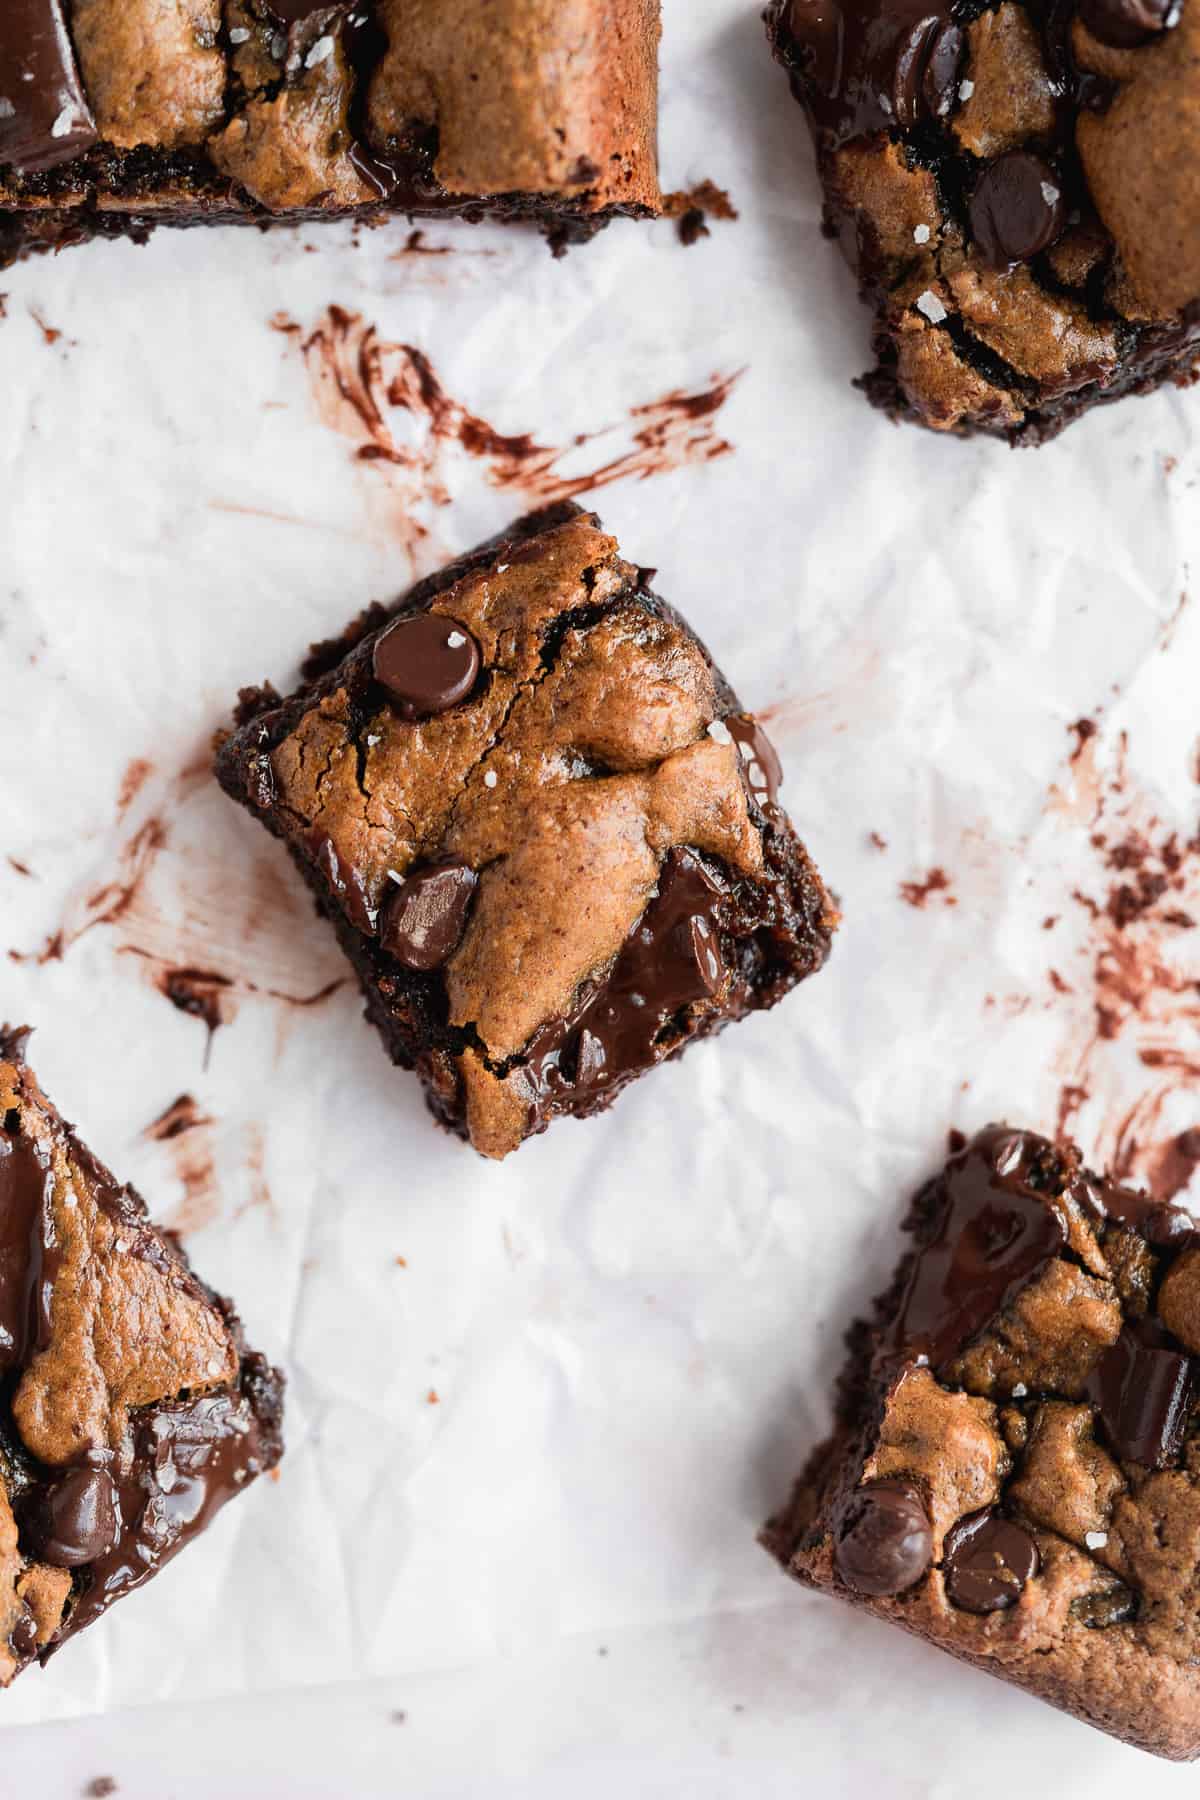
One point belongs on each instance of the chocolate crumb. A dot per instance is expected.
(692, 208)
(917, 893)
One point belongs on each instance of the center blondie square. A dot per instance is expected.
(545, 830)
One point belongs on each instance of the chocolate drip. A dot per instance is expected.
(760, 761)
(26, 1229)
(993, 1232)
(671, 959)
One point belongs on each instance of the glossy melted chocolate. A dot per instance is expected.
(44, 115)
(672, 959)
(993, 1232)
(186, 1460)
(24, 1228)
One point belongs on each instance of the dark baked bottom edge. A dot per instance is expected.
(34, 233)
(1046, 417)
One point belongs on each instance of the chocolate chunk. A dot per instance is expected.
(44, 115)
(1016, 209)
(1143, 1389)
(78, 1519)
(428, 916)
(427, 663)
(885, 1541)
(24, 1184)
(992, 1234)
(987, 1562)
(1124, 24)
(760, 762)
(926, 76)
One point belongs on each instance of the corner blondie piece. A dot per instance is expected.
(542, 826)
(119, 115)
(1014, 1473)
(130, 1410)
(1018, 188)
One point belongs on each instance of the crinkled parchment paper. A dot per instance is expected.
(537, 1411)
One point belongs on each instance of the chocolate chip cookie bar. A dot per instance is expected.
(1014, 1472)
(120, 115)
(545, 831)
(1016, 186)
(130, 1409)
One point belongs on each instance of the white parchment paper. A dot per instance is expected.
(537, 1411)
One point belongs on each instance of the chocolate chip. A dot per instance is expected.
(1124, 24)
(928, 57)
(1143, 1389)
(939, 83)
(44, 114)
(78, 1519)
(22, 1638)
(427, 663)
(987, 1562)
(1016, 209)
(344, 879)
(885, 1540)
(425, 922)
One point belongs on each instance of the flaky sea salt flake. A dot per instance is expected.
(931, 306)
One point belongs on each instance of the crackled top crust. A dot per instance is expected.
(332, 107)
(498, 786)
(1016, 1471)
(1018, 188)
(119, 1363)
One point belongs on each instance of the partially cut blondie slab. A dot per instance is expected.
(543, 827)
(120, 115)
(1018, 188)
(1014, 1473)
(130, 1409)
